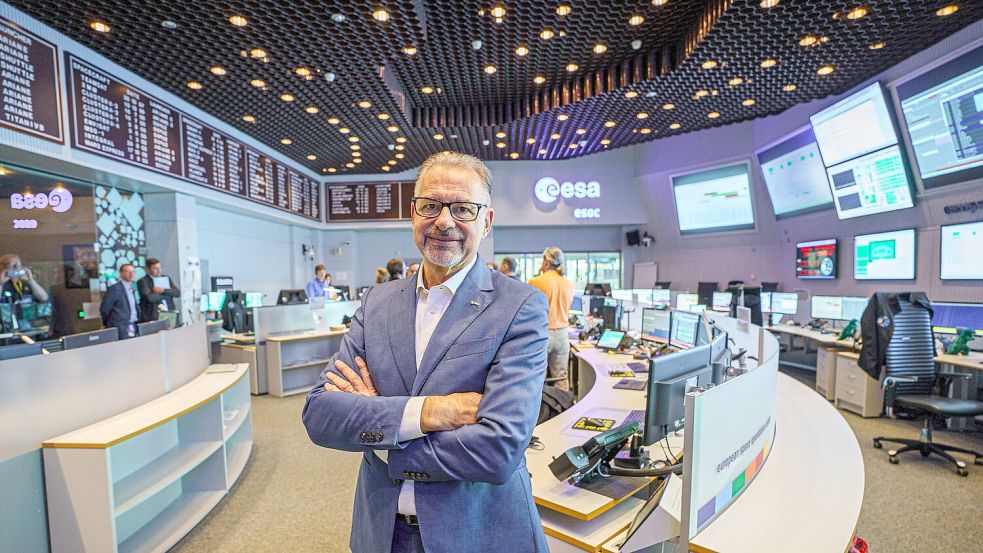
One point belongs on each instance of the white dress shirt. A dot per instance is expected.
(430, 307)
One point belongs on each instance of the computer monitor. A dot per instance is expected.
(610, 339)
(16, 351)
(662, 297)
(152, 327)
(826, 307)
(670, 377)
(786, 303)
(948, 318)
(577, 304)
(685, 301)
(362, 290)
(214, 301)
(766, 302)
(853, 307)
(290, 297)
(721, 301)
(344, 292)
(597, 289)
(720, 358)
(684, 329)
(655, 324)
(611, 313)
(623, 295)
(698, 308)
(85, 339)
(254, 299)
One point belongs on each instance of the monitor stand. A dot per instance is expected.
(637, 456)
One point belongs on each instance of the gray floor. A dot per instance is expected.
(294, 496)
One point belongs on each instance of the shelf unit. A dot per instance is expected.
(141, 480)
(295, 362)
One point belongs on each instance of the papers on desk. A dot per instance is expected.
(222, 368)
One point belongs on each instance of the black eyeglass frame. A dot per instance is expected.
(449, 206)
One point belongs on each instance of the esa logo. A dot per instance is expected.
(548, 190)
(59, 200)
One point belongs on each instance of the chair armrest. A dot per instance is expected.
(945, 380)
(891, 381)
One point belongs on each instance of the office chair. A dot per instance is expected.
(769, 286)
(704, 292)
(665, 285)
(910, 376)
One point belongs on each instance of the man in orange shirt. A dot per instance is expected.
(559, 295)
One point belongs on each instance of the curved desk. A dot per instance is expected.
(807, 496)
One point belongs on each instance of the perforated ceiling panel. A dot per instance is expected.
(686, 65)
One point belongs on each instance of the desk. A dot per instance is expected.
(827, 346)
(963, 389)
(294, 361)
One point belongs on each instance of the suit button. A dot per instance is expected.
(361, 437)
(378, 436)
(406, 474)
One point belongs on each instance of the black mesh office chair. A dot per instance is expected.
(910, 377)
(664, 285)
(769, 286)
(704, 292)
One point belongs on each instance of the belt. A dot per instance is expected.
(408, 519)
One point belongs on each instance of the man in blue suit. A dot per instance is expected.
(450, 368)
(119, 307)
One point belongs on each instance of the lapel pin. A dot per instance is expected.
(474, 303)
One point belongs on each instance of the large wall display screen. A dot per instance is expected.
(884, 256)
(372, 201)
(111, 119)
(795, 176)
(943, 111)
(864, 163)
(714, 200)
(962, 252)
(29, 93)
(816, 259)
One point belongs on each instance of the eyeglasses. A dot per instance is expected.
(460, 211)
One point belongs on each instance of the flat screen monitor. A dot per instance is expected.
(16, 351)
(962, 248)
(795, 175)
(874, 183)
(215, 301)
(816, 259)
(670, 378)
(826, 307)
(948, 318)
(597, 289)
(721, 301)
(93, 338)
(684, 329)
(623, 295)
(662, 297)
(642, 295)
(785, 303)
(685, 302)
(714, 200)
(766, 302)
(254, 299)
(611, 313)
(943, 113)
(655, 324)
(288, 297)
(857, 125)
(610, 339)
(884, 256)
(853, 307)
(152, 327)
(576, 305)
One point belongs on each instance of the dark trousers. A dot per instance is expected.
(406, 538)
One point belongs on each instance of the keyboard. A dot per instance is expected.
(638, 415)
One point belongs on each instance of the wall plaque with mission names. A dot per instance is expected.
(212, 159)
(30, 98)
(373, 201)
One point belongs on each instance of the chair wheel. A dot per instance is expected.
(877, 444)
(894, 460)
(962, 472)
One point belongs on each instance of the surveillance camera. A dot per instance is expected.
(636, 44)
(476, 44)
(330, 77)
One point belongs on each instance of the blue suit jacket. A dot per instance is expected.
(115, 309)
(472, 488)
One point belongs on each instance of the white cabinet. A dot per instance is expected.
(856, 391)
(294, 362)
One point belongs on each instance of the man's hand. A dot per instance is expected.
(450, 412)
(354, 383)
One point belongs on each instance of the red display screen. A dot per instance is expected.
(816, 259)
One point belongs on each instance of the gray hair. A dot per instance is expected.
(554, 258)
(456, 159)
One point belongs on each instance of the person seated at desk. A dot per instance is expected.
(320, 286)
(119, 305)
(153, 297)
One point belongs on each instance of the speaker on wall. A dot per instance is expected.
(633, 237)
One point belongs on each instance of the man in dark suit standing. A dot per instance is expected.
(119, 305)
(153, 296)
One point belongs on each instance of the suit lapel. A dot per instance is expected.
(402, 332)
(469, 301)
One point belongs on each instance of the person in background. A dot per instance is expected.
(320, 286)
(507, 268)
(491, 266)
(119, 305)
(412, 270)
(396, 268)
(381, 275)
(152, 296)
(559, 294)
(17, 282)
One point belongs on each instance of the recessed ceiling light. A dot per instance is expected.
(338, 17)
(490, 69)
(383, 116)
(257, 53)
(947, 10)
(427, 90)
(539, 79)
(709, 64)
(530, 140)
(357, 160)
(438, 136)
(384, 168)
(311, 157)
(401, 139)
(573, 145)
(400, 146)
(748, 102)
(521, 50)
(500, 134)
(631, 94)
(168, 24)
(768, 63)
(381, 15)
(735, 81)
(668, 105)
(238, 21)
(713, 115)
(609, 124)
(645, 130)
(514, 155)
(600, 48)
(500, 144)
(636, 20)
(258, 83)
(856, 13)
(349, 165)
(498, 11)
(391, 162)
(353, 139)
(789, 87)
(194, 85)
(365, 104)
(331, 169)
(334, 120)
(571, 67)
(409, 50)
(344, 130)
(769, 3)
(286, 141)
(605, 141)
(555, 136)
(808, 40)
(99, 27)
(825, 70)
(354, 147)
(581, 131)
(876, 46)
(675, 126)
(642, 115)
(659, 2)
(542, 151)
(546, 34)
(399, 155)
(303, 72)
(248, 118)
(311, 109)
(217, 70)
(563, 9)
(392, 128)
(287, 97)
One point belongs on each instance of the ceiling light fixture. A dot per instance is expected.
(768, 63)
(353, 139)
(610, 124)
(498, 11)
(876, 46)
(675, 126)
(539, 79)
(530, 140)
(709, 64)
(217, 70)
(600, 48)
(825, 70)
(808, 40)
(789, 87)
(248, 118)
(99, 27)
(194, 85)
(605, 141)
(563, 9)
(399, 155)
(409, 50)
(303, 72)
(631, 94)
(645, 130)
(334, 120)
(521, 50)
(357, 160)
(391, 162)
(384, 168)
(735, 81)
(542, 151)
(500, 144)
(659, 2)
(258, 83)
(500, 134)
(636, 20)
(490, 69)
(947, 10)
(257, 53)
(287, 97)
(338, 17)
(365, 104)
(400, 147)
(380, 14)
(238, 21)
(573, 146)
(856, 13)
(713, 114)
(555, 136)
(401, 139)
(383, 116)
(286, 141)
(344, 130)
(514, 155)
(562, 117)
(546, 34)
(392, 128)
(581, 131)
(311, 157)
(311, 109)
(427, 90)
(748, 102)
(642, 115)
(438, 136)
(354, 147)
(769, 3)
(331, 169)
(668, 106)
(571, 67)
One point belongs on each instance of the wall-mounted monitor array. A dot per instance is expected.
(714, 200)
(795, 176)
(962, 251)
(864, 163)
(943, 112)
(884, 256)
(816, 259)
(839, 308)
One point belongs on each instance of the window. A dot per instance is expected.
(580, 267)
